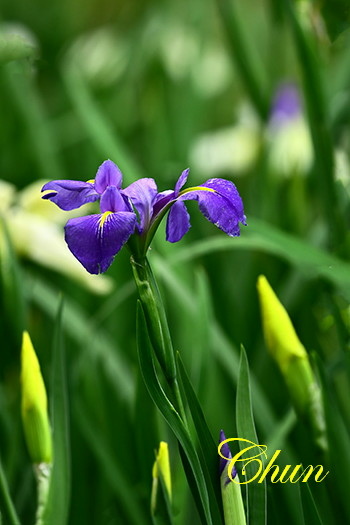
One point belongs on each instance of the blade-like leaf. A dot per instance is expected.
(208, 447)
(7, 508)
(256, 492)
(57, 507)
(169, 412)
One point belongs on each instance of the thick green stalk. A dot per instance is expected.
(42, 471)
(157, 324)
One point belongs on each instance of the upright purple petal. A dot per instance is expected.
(70, 194)
(95, 239)
(225, 451)
(178, 222)
(112, 200)
(142, 194)
(181, 181)
(220, 203)
(108, 174)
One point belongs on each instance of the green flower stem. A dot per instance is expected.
(232, 501)
(43, 472)
(157, 325)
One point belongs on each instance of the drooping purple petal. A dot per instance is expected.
(178, 222)
(108, 174)
(70, 194)
(142, 194)
(181, 181)
(95, 239)
(112, 200)
(220, 203)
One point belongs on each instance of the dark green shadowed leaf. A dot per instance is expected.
(105, 457)
(12, 302)
(57, 507)
(311, 515)
(337, 481)
(208, 448)
(7, 508)
(256, 492)
(171, 415)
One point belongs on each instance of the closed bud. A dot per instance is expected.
(34, 405)
(161, 470)
(293, 360)
(230, 487)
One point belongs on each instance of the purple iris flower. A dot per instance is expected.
(137, 209)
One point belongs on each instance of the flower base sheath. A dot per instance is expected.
(133, 214)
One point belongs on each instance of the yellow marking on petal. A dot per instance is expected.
(196, 188)
(91, 181)
(103, 218)
(46, 192)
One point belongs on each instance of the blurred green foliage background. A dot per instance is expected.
(157, 87)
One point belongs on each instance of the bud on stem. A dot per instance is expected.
(293, 361)
(34, 406)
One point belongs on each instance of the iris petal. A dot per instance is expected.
(178, 222)
(108, 174)
(112, 200)
(142, 193)
(181, 181)
(95, 239)
(220, 203)
(70, 194)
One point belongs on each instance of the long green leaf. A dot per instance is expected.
(260, 236)
(209, 455)
(57, 508)
(117, 480)
(256, 492)
(169, 412)
(7, 508)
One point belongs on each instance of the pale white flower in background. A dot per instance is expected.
(35, 229)
(100, 55)
(228, 150)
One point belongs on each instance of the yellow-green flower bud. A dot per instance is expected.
(292, 358)
(161, 468)
(280, 336)
(34, 406)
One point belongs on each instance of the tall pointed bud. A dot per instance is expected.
(161, 486)
(292, 359)
(34, 406)
(230, 488)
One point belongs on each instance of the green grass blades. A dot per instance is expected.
(57, 508)
(7, 509)
(171, 416)
(256, 492)
(207, 446)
